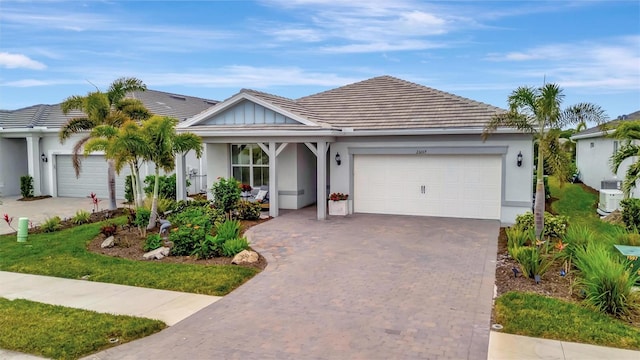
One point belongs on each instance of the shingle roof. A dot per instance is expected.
(609, 125)
(158, 102)
(387, 102)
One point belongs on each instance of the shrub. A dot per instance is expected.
(163, 204)
(554, 225)
(517, 237)
(142, 216)
(128, 188)
(166, 186)
(606, 281)
(577, 237)
(153, 242)
(206, 247)
(81, 217)
(530, 260)
(226, 193)
(631, 214)
(229, 229)
(109, 229)
(26, 186)
(51, 224)
(233, 246)
(248, 210)
(193, 225)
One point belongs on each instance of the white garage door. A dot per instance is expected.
(464, 186)
(93, 177)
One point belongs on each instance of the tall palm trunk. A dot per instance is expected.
(538, 206)
(111, 178)
(154, 203)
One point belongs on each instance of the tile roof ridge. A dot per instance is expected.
(179, 95)
(39, 114)
(249, 91)
(340, 87)
(445, 93)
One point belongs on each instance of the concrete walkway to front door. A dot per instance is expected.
(362, 286)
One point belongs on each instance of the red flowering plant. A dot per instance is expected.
(8, 220)
(245, 187)
(338, 196)
(94, 201)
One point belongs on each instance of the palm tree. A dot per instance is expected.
(628, 132)
(536, 111)
(162, 146)
(100, 109)
(124, 145)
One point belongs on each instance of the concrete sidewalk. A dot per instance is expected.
(167, 306)
(40, 210)
(508, 347)
(171, 307)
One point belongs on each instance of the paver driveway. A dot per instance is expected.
(359, 287)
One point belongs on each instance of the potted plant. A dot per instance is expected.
(338, 204)
(246, 190)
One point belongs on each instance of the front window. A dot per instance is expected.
(615, 146)
(250, 164)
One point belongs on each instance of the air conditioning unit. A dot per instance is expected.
(610, 200)
(613, 184)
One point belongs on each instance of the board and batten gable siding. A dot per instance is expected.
(248, 113)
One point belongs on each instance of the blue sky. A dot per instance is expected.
(50, 50)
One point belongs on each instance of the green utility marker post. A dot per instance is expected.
(23, 229)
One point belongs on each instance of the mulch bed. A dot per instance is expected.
(34, 198)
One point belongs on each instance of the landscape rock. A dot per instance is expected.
(158, 253)
(245, 257)
(108, 242)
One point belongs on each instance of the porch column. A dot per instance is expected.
(322, 180)
(33, 163)
(273, 180)
(181, 185)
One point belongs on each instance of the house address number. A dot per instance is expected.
(421, 152)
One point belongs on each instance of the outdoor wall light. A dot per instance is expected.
(338, 160)
(519, 159)
(43, 157)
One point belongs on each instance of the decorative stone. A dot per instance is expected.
(158, 253)
(245, 257)
(108, 242)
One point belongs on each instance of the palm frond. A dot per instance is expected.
(510, 120)
(134, 109)
(188, 141)
(96, 144)
(629, 130)
(624, 152)
(523, 100)
(632, 175)
(582, 113)
(120, 87)
(75, 158)
(75, 102)
(74, 126)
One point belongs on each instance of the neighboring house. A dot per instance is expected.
(594, 148)
(29, 144)
(394, 146)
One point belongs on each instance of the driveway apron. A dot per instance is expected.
(358, 287)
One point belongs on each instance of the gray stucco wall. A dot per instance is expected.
(13, 164)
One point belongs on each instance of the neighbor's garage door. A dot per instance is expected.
(465, 186)
(93, 177)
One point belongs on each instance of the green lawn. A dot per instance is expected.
(63, 333)
(64, 254)
(579, 206)
(543, 317)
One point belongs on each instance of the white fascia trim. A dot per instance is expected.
(235, 100)
(592, 135)
(432, 131)
(259, 133)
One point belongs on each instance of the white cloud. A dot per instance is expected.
(607, 64)
(239, 76)
(18, 61)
